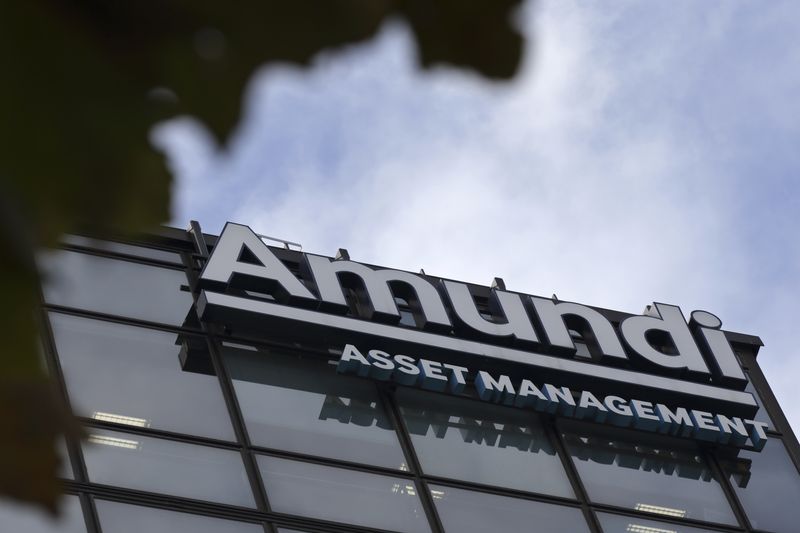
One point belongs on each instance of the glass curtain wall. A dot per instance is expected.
(191, 429)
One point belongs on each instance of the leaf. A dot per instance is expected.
(85, 80)
(33, 418)
(32, 412)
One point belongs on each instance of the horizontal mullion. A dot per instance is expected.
(268, 343)
(211, 509)
(500, 491)
(119, 319)
(244, 514)
(160, 263)
(328, 461)
(161, 434)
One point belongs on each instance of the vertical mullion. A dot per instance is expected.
(727, 489)
(551, 430)
(393, 410)
(228, 392)
(90, 515)
(238, 424)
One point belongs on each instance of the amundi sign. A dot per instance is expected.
(658, 355)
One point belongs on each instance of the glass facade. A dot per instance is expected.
(314, 410)
(652, 475)
(195, 428)
(769, 489)
(146, 385)
(483, 443)
(475, 512)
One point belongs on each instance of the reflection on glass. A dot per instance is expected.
(769, 489)
(463, 511)
(135, 377)
(614, 523)
(126, 249)
(115, 287)
(341, 495)
(406, 314)
(123, 518)
(657, 475)
(303, 405)
(65, 466)
(18, 518)
(761, 414)
(168, 467)
(483, 443)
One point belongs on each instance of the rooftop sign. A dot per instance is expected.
(658, 355)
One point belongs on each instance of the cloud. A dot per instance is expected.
(617, 170)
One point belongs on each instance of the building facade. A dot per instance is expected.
(276, 391)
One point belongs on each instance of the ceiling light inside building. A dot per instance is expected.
(114, 441)
(637, 528)
(121, 419)
(657, 509)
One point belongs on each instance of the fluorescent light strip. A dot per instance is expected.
(114, 441)
(532, 359)
(121, 419)
(657, 509)
(637, 528)
(397, 488)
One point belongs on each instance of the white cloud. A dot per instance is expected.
(606, 173)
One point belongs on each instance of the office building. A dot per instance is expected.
(227, 386)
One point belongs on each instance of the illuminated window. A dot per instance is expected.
(166, 467)
(613, 523)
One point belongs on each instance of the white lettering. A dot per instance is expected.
(489, 389)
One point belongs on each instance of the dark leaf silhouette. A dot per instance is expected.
(83, 83)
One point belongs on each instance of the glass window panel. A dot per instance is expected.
(464, 511)
(116, 287)
(484, 443)
(135, 376)
(18, 518)
(614, 523)
(768, 485)
(303, 405)
(123, 518)
(168, 467)
(341, 495)
(761, 414)
(120, 248)
(652, 474)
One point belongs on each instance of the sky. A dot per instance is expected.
(647, 151)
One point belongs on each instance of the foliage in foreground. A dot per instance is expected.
(85, 80)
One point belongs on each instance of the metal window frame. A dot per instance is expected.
(194, 250)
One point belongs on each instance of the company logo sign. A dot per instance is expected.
(657, 355)
(548, 398)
